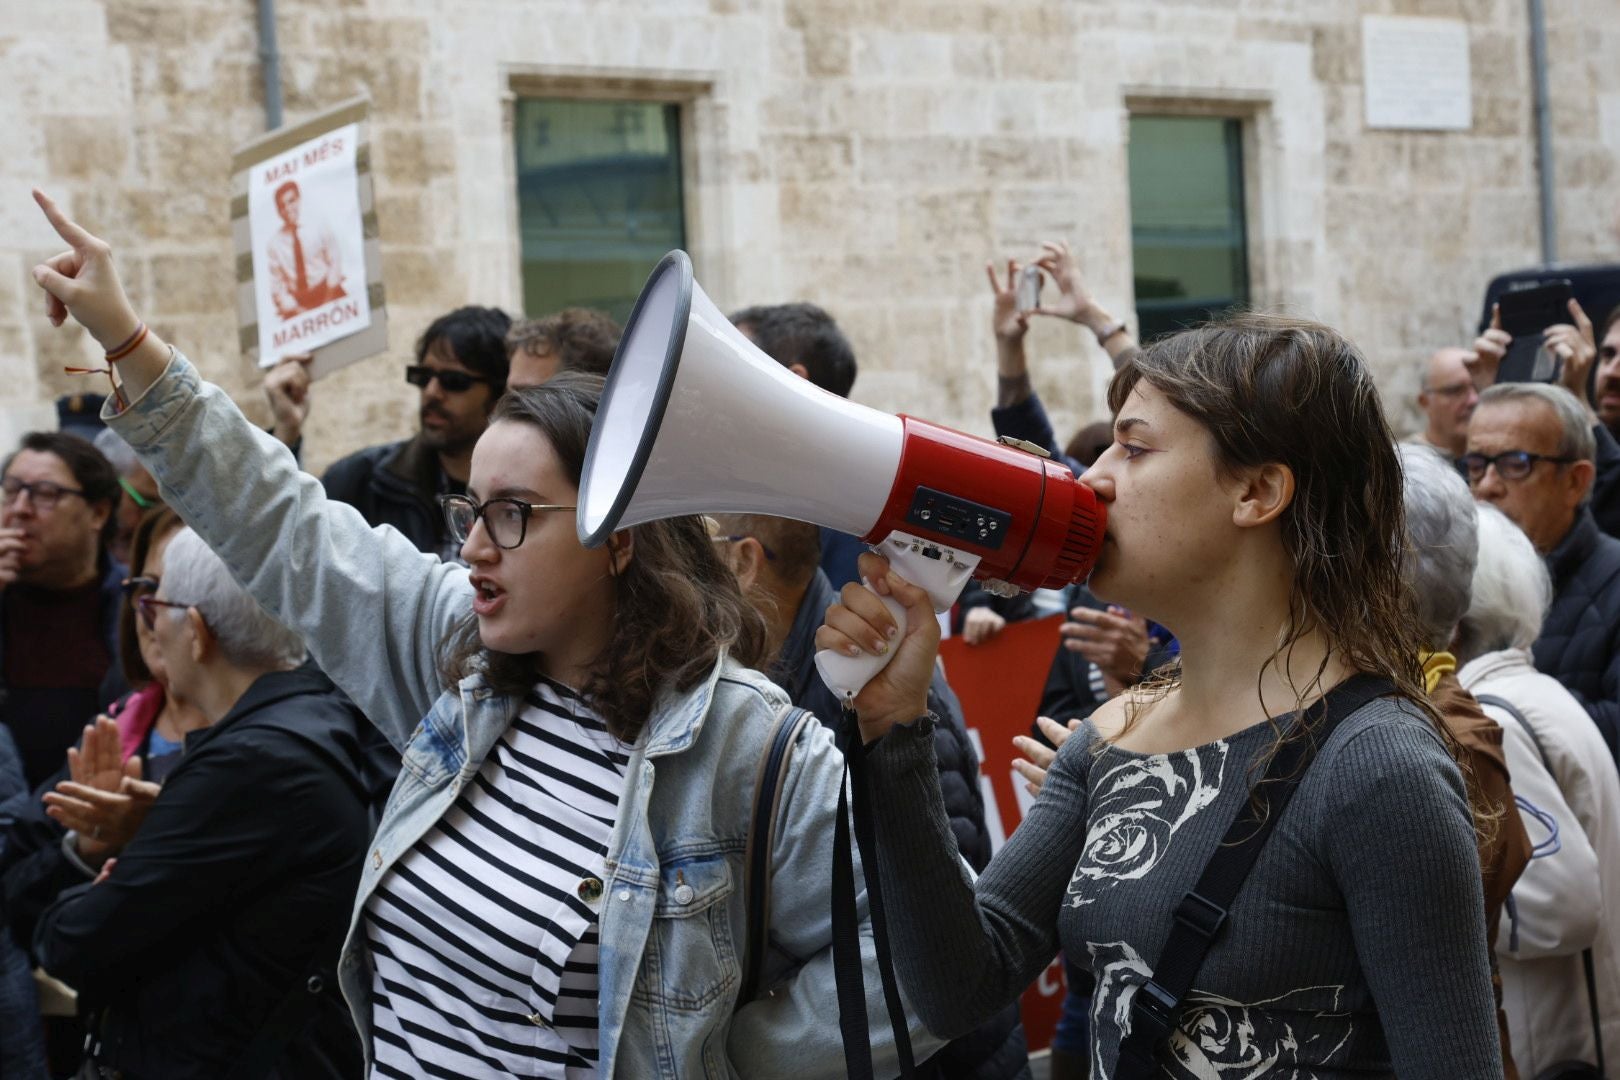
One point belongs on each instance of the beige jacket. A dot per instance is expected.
(1568, 901)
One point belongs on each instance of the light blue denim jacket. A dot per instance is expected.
(373, 610)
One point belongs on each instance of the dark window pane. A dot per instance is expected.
(599, 200)
(1187, 227)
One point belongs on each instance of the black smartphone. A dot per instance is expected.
(1525, 314)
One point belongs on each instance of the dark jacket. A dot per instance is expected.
(396, 484)
(45, 723)
(1070, 693)
(1580, 638)
(998, 1049)
(1027, 420)
(1606, 484)
(243, 871)
(22, 1046)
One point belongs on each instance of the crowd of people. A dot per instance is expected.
(385, 774)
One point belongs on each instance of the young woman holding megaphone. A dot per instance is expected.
(1266, 857)
(535, 904)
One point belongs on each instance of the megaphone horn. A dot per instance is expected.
(695, 419)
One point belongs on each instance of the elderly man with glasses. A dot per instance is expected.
(1447, 399)
(460, 370)
(1530, 454)
(59, 595)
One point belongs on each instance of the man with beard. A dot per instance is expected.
(1608, 373)
(461, 367)
(59, 594)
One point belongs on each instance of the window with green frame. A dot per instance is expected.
(599, 199)
(1187, 223)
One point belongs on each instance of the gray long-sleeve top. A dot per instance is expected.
(1356, 947)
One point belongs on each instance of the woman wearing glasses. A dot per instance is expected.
(233, 891)
(556, 888)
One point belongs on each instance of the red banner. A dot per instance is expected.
(999, 683)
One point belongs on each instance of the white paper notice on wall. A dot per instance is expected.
(1415, 73)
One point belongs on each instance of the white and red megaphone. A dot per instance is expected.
(695, 419)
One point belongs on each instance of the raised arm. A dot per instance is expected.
(963, 949)
(371, 608)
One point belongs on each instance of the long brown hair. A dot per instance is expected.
(676, 606)
(1272, 389)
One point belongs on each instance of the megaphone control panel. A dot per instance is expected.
(958, 518)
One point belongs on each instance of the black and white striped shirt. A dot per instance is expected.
(483, 935)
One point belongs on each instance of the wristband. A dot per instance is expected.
(1109, 330)
(130, 344)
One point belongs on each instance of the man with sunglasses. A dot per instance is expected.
(460, 371)
(59, 595)
(1531, 454)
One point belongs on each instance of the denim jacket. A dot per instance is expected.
(373, 610)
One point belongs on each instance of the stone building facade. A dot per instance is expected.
(869, 155)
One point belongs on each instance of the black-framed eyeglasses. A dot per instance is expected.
(770, 555)
(1510, 464)
(453, 382)
(506, 520)
(145, 605)
(42, 493)
(133, 585)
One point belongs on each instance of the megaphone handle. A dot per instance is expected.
(846, 675)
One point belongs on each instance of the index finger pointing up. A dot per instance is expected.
(68, 230)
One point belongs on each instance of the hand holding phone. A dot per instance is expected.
(1029, 288)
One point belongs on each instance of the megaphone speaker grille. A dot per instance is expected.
(638, 388)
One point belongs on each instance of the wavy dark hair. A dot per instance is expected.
(1273, 389)
(677, 608)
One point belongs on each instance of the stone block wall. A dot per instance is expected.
(869, 155)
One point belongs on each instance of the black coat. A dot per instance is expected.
(1069, 693)
(395, 484)
(1580, 638)
(237, 887)
(997, 1050)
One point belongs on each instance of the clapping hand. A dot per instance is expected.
(105, 800)
(1037, 757)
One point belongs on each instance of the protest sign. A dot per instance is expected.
(999, 683)
(309, 275)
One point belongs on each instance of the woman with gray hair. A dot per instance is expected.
(212, 942)
(1561, 767)
(1438, 562)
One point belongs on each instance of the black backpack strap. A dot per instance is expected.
(1586, 955)
(1201, 914)
(762, 839)
(294, 1013)
(854, 802)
